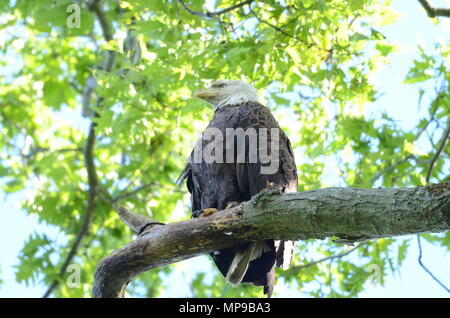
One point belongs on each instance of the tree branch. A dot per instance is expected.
(433, 11)
(95, 7)
(209, 14)
(88, 153)
(348, 213)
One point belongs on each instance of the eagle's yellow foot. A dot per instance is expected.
(204, 212)
(232, 204)
(208, 212)
(270, 185)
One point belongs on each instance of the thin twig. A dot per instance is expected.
(296, 269)
(209, 14)
(434, 108)
(444, 141)
(419, 133)
(426, 269)
(391, 167)
(434, 11)
(133, 192)
(36, 150)
(278, 29)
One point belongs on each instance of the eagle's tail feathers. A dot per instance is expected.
(268, 289)
(239, 265)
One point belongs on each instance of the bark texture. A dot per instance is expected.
(347, 213)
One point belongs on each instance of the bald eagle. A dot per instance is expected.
(236, 174)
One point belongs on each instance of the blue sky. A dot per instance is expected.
(399, 100)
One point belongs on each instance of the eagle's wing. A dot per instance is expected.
(252, 181)
(249, 176)
(192, 183)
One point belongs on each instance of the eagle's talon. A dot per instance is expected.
(196, 214)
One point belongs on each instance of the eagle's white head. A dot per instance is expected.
(226, 93)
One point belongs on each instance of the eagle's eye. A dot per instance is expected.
(222, 86)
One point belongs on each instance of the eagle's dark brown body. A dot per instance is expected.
(215, 185)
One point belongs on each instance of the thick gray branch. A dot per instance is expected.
(350, 214)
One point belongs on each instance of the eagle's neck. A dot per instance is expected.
(236, 99)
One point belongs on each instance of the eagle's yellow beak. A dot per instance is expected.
(205, 94)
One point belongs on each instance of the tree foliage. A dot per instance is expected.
(132, 67)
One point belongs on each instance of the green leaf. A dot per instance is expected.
(401, 253)
(54, 94)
